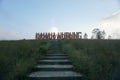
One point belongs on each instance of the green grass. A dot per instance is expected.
(18, 57)
(95, 59)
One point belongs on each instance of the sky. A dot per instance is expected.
(21, 19)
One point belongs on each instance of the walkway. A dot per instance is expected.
(54, 66)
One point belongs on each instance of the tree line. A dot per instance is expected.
(97, 34)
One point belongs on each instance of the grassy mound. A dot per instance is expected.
(95, 59)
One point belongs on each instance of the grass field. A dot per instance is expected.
(95, 59)
(18, 57)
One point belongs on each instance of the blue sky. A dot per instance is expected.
(23, 18)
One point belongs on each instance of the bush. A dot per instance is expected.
(18, 57)
(96, 59)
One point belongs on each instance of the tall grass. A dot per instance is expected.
(18, 57)
(95, 59)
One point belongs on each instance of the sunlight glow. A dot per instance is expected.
(54, 29)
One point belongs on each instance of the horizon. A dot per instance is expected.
(22, 19)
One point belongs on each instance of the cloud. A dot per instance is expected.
(111, 25)
(10, 35)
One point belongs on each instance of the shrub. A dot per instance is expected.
(95, 59)
(18, 57)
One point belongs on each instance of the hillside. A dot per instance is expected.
(18, 57)
(96, 59)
